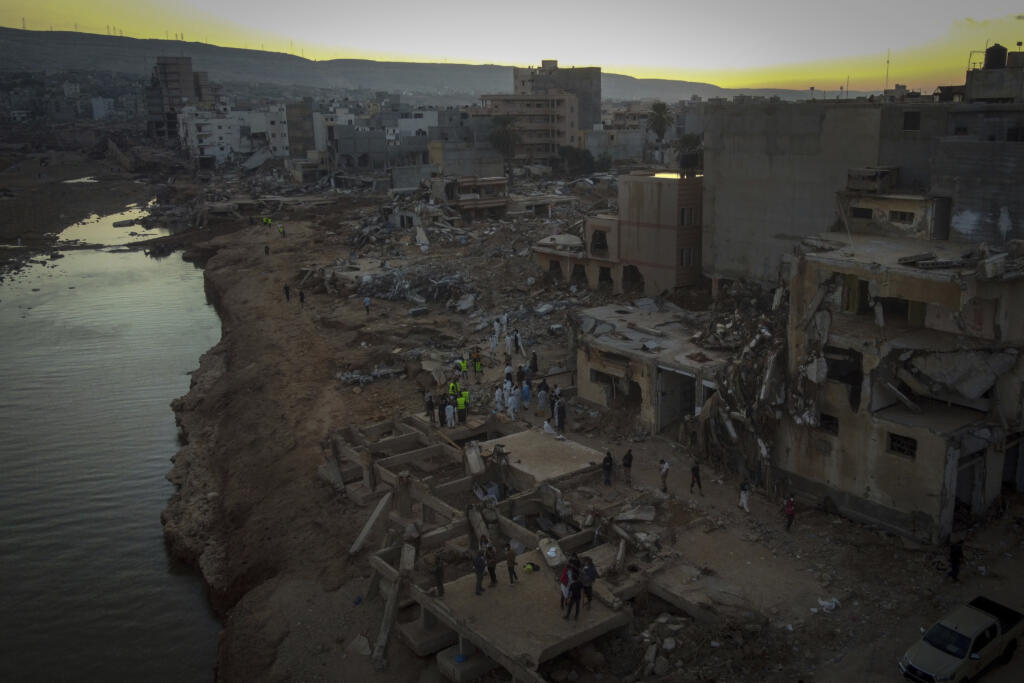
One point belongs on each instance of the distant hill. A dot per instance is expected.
(53, 51)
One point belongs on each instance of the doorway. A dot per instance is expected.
(677, 397)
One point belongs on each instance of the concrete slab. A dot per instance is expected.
(523, 621)
(475, 666)
(426, 641)
(536, 457)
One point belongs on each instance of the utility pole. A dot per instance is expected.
(886, 71)
(23, 23)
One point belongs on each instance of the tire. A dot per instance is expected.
(1007, 655)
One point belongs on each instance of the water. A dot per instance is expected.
(89, 365)
(100, 229)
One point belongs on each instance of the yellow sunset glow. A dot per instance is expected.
(731, 43)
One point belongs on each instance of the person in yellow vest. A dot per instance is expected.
(478, 365)
(460, 407)
(453, 388)
(464, 368)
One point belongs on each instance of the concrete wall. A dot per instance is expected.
(986, 183)
(583, 82)
(301, 137)
(912, 150)
(882, 221)
(589, 358)
(771, 172)
(650, 219)
(618, 143)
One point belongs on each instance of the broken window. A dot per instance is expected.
(632, 279)
(829, 424)
(845, 366)
(901, 445)
(911, 120)
(901, 216)
(604, 279)
(861, 212)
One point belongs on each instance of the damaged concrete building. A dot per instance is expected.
(905, 405)
(638, 360)
(652, 246)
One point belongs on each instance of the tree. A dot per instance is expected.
(577, 161)
(505, 138)
(658, 121)
(689, 149)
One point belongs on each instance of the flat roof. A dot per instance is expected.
(869, 251)
(935, 416)
(521, 620)
(542, 457)
(632, 332)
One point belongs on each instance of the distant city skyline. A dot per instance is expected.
(731, 43)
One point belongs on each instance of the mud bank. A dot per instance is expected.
(269, 536)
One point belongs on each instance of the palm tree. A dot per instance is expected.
(689, 149)
(659, 120)
(504, 137)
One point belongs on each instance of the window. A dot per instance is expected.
(901, 216)
(828, 424)
(687, 257)
(983, 639)
(902, 445)
(911, 120)
(861, 212)
(688, 215)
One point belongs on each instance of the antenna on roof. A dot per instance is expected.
(886, 69)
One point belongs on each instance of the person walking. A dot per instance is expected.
(478, 365)
(513, 402)
(510, 560)
(956, 558)
(606, 467)
(575, 590)
(517, 341)
(497, 328)
(695, 478)
(744, 496)
(663, 472)
(627, 467)
(479, 565)
(463, 368)
(504, 321)
(588, 574)
(534, 363)
(449, 414)
(526, 396)
(508, 344)
(499, 403)
(491, 554)
(266, 250)
(302, 299)
(563, 585)
(561, 416)
(789, 508)
(462, 406)
(429, 404)
(366, 305)
(287, 293)
(553, 400)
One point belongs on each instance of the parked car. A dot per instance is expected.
(964, 644)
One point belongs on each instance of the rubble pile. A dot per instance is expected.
(751, 388)
(419, 284)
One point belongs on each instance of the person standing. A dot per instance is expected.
(695, 478)
(575, 590)
(508, 344)
(508, 372)
(439, 575)
(449, 414)
(606, 467)
(563, 585)
(526, 395)
(542, 398)
(534, 363)
(478, 365)
(587, 577)
(429, 404)
(463, 369)
(956, 558)
(745, 496)
(366, 305)
(504, 321)
(627, 466)
(510, 560)
(663, 472)
(302, 299)
(561, 416)
(789, 508)
(499, 403)
(479, 565)
(497, 328)
(287, 293)
(442, 404)
(266, 250)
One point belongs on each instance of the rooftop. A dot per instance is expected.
(660, 335)
(540, 457)
(878, 251)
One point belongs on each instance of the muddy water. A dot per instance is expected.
(88, 366)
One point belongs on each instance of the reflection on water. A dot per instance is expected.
(100, 229)
(95, 346)
(86, 179)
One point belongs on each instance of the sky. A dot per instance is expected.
(731, 43)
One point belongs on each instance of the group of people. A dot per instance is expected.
(450, 408)
(576, 582)
(486, 559)
(513, 340)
